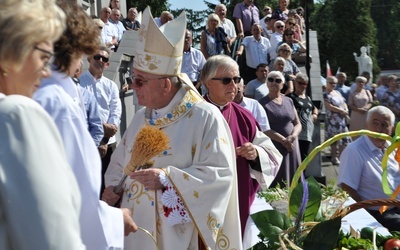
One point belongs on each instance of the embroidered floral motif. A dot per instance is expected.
(196, 194)
(178, 111)
(208, 146)
(146, 61)
(174, 209)
(178, 67)
(213, 224)
(222, 241)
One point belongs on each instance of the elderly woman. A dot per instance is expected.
(213, 38)
(335, 119)
(220, 75)
(279, 64)
(296, 45)
(306, 111)
(291, 68)
(360, 101)
(61, 98)
(39, 198)
(285, 127)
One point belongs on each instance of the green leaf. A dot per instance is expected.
(271, 223)
(324, 235)
(314, 199)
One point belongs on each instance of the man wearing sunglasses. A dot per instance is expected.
(107, 96)
(257, 159)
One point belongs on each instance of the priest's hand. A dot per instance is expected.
(247, 151)
(148, 177)
(110, 197)
(129, 225)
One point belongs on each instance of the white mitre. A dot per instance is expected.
(159, 49)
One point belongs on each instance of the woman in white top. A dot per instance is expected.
(39, 196)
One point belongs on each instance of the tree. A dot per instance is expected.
(156, 6)
(344, 32)
(386, 16)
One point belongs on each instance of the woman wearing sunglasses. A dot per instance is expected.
(285, 127)
(291, 67)
(255, 153)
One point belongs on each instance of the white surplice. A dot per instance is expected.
(39, 196)
(199, 163)
(101, 225)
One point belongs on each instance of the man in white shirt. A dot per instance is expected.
(360, 169)
(109, 33)
(225, 23)
(114, 19)
(276, 37)
(107, 95)
(253, 106)
(192, 61)
(257, 51)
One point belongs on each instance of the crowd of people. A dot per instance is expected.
(233, 128)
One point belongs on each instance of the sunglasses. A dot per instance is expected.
(277, 80)
(227, 80)
(285, 50)
(265, 10)
(292, 23)
(302, 83)
(288, 34)
(279, 27)
(103, 58)
(141, 81)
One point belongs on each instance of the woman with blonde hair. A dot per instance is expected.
(360, 101)
(102, 226)
(213, 38)
(39, 198)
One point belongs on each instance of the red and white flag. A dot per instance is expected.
(328, 69)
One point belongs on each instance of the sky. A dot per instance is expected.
(192, 4)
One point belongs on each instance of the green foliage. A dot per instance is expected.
(324, 235)
(314, 200)
(156, 6)
(271, 223)
(342, 31)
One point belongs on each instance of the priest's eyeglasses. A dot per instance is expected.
(228, 80)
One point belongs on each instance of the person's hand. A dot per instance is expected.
(239, 53)
(148, 177)
(288, 143)
(102, 150)
(247, 151)
(110, 197)
(240, 35)
(344, 113)
(110, 129)
(129, 224)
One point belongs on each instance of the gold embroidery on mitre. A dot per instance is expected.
(185, 176)
(178, 66)
(142, 32)
(208, 146)
(196, 194)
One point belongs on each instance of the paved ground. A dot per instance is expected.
(328, 169)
